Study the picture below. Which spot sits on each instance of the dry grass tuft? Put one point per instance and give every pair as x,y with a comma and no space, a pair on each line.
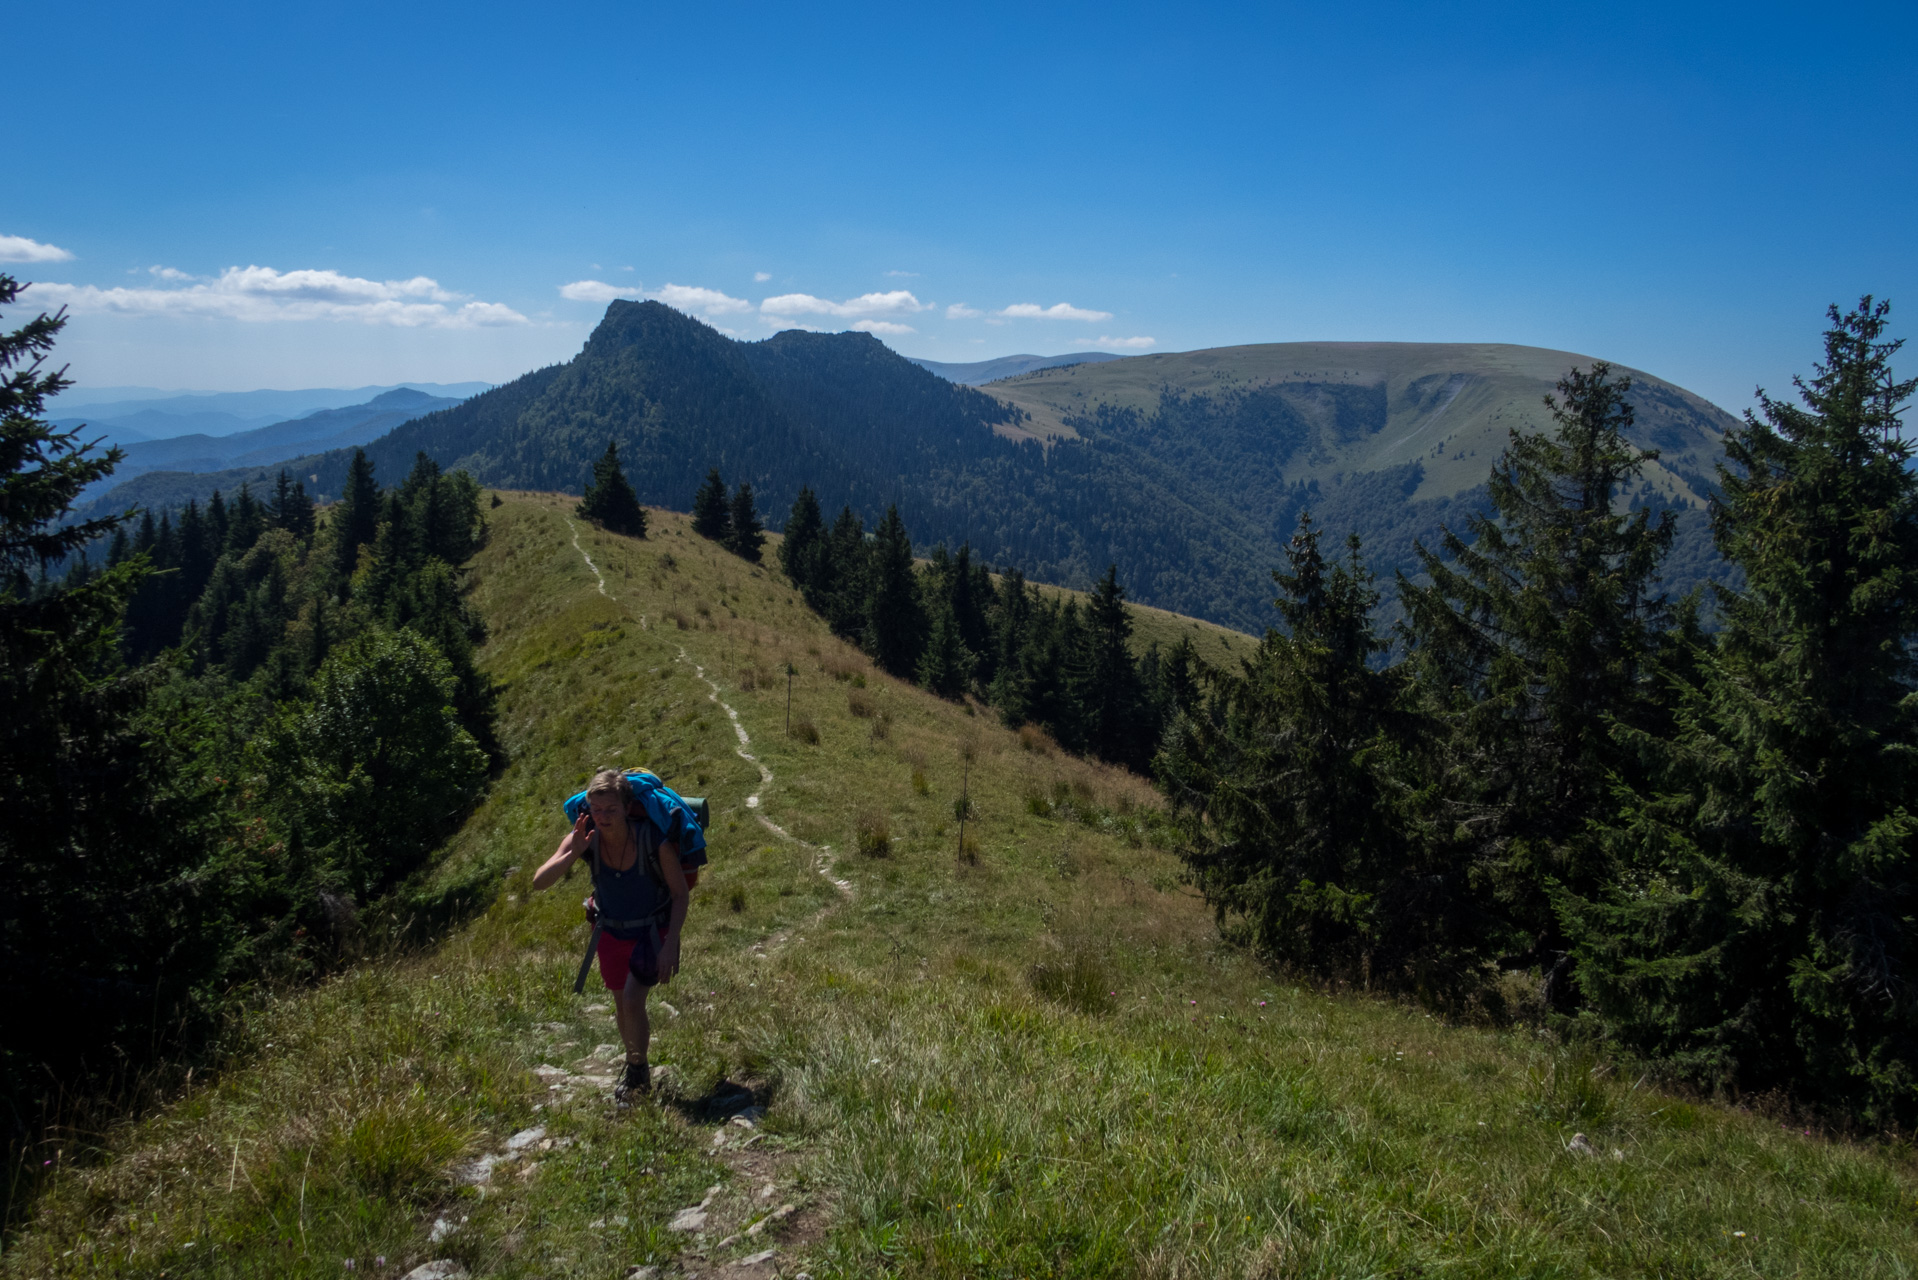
872,835
860,704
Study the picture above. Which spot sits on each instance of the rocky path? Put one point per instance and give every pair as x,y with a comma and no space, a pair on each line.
747,1216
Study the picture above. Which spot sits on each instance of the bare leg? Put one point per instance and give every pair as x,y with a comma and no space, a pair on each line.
630,1008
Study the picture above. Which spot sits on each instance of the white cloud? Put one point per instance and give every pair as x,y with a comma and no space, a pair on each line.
692,298
682,297
1124,344
1058,311
761,277
960,311
903,275
897,302
167,273
883,326
21,249
600,291
261,294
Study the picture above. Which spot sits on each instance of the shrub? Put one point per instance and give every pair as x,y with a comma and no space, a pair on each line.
872,835
919,783
377,761
881,727
860,704
969,850
806,731
1032,738
736,900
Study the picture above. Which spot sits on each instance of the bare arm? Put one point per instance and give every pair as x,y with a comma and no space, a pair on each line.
554,869
675,886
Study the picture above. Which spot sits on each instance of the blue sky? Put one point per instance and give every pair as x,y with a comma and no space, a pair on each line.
283,195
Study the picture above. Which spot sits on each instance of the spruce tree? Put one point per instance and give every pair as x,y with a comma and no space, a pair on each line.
711,516
42,469
895,618
79,841
1532,637
291,509
743,534
1117,725
1010,689
246,522
1762,930
357,518
800,549
840,583
609,501
945,667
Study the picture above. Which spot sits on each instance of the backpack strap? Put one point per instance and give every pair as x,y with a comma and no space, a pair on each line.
649,852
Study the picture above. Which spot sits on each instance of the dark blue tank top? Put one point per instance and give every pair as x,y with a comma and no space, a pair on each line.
635,893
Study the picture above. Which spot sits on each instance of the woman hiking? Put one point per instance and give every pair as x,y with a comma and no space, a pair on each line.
640,891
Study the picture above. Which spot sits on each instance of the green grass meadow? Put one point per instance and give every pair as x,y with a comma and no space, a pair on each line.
1019,1052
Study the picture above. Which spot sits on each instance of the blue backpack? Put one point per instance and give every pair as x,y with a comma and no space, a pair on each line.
681,819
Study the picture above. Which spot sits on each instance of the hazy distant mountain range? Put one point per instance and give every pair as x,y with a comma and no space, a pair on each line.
1188,471
317,432
980,372
125,415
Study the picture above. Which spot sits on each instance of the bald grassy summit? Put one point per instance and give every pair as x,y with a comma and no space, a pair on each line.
1035,1059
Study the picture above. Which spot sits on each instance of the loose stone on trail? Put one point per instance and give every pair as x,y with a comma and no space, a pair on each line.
525,1138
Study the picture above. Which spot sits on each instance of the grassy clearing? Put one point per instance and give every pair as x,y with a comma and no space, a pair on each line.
1033,1060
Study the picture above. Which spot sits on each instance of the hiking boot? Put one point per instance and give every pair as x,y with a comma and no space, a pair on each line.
638,1081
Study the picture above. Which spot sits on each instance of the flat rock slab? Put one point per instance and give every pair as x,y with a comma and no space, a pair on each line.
525,1138
444,1269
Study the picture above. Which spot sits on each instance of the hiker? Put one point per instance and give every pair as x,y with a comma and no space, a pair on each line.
640,893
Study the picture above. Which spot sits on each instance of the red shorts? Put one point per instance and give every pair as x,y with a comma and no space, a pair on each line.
638,956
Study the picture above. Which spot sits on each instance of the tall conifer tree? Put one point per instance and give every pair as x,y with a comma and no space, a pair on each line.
1764,930
895,617
357,519
1118,725
800,549
1531,638
1285,789
711,516
744,536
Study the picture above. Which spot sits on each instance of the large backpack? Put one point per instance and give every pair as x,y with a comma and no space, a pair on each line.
681,819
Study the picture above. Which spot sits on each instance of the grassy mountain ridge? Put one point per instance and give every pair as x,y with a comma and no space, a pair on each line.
1372,406
1190,488
974,373
1039,1062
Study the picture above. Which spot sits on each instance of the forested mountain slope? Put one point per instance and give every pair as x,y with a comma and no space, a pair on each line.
883,1056
1188,471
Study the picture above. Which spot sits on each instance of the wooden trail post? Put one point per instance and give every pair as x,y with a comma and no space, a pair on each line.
789,699
965,807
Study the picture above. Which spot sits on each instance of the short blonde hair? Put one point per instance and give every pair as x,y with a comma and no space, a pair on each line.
611,780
